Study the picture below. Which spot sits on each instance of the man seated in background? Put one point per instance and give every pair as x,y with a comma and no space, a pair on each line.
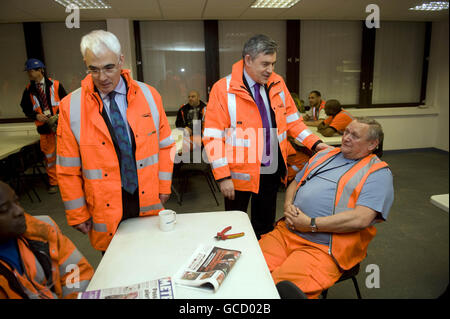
187,116
298,156
316,113
329,211
36,259
337,119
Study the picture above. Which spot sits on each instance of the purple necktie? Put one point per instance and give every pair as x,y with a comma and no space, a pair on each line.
265,121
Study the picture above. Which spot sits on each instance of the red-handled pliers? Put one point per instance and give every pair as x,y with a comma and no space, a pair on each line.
222,236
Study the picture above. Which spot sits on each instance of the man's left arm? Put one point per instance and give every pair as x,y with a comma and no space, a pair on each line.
166,155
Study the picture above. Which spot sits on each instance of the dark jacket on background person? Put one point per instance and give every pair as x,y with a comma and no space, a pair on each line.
27,104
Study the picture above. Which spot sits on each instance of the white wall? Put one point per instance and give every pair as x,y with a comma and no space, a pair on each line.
426,126
123,29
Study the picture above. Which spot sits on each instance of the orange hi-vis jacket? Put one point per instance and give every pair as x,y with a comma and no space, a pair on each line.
233,135
87,165
53,267
348,249
53,103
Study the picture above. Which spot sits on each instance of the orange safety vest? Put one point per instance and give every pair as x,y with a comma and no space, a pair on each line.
339,121
87,165
316,112
44,250
233,135
348,249
53,103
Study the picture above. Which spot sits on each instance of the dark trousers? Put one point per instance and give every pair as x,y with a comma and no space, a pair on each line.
264,204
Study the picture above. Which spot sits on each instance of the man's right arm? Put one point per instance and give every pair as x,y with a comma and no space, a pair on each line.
68,171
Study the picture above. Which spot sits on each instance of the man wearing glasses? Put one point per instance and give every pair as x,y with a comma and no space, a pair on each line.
113,145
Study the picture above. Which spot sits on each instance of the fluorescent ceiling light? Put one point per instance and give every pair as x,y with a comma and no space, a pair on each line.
274,3
431,6
85,4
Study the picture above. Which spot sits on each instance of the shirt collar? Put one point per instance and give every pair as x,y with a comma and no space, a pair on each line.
120,88
249,80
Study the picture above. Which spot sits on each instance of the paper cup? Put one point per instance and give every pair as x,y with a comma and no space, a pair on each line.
167,219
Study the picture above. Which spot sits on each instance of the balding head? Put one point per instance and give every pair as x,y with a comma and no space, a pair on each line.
194,98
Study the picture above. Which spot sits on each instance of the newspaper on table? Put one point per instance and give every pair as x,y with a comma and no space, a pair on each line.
161,288
207,268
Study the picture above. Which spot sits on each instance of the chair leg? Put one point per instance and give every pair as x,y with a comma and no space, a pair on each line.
355,283
324,294
211,187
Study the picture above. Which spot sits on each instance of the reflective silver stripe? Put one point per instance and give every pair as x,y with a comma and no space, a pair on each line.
74,204
241,176
40,274
165,176
46,219
213,132
100,227
292,118
304,134
50,155
50,164
166,142
295,168
231,104
151,207
92,173
232,140
147,161
75,114
52,96
151,103
36,103
219,163
282,136
82,286
68,161
351,185
73,259
283,98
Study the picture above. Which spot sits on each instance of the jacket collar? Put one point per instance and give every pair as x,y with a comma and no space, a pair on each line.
88,85
237,82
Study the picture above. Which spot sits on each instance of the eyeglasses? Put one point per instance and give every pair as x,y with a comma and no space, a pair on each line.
108,69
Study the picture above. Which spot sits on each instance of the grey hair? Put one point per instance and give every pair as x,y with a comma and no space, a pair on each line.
98,41
375,129
257,44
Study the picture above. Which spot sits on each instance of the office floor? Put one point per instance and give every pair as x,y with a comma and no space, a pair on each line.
411,249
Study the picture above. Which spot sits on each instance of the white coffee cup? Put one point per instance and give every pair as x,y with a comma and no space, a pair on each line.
167,219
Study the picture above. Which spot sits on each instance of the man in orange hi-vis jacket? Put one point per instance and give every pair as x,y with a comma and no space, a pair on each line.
249,115
114,146
330,209
36,259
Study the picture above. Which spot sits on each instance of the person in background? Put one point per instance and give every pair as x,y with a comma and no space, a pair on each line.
189,114
40,102
36,259
316,112
114,145
329,212
337,119
251,113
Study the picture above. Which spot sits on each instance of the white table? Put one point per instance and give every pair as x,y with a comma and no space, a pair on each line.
440,201
13,144
332,140
140,252
18,129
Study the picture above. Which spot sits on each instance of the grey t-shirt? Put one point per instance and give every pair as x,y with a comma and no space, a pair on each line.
316,197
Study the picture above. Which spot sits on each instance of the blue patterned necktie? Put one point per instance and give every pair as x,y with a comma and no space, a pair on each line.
265,121
128,172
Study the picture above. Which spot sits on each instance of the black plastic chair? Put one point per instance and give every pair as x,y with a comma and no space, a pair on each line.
190,169
348,274
288,290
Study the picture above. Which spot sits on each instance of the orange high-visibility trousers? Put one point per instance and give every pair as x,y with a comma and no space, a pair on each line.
48,147
290,257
